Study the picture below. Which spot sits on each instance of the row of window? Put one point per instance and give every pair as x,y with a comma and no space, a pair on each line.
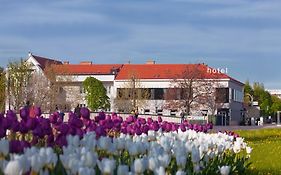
221,94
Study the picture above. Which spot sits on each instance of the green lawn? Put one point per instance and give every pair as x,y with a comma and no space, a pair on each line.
266,154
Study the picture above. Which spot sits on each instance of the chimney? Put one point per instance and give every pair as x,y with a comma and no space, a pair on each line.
150,61
66,62
86,63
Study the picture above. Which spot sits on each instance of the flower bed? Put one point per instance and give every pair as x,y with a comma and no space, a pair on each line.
110,145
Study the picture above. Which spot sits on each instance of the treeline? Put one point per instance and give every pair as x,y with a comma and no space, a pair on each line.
269,104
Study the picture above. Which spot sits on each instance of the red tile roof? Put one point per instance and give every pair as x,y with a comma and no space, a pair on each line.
168,71
144,71
78,69
45,61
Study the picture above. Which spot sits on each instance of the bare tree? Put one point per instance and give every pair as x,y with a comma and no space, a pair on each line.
191,89
19,73
132,95
48,90
217,98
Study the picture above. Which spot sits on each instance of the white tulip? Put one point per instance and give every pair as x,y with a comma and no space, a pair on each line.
91,159
106,166
123,170
104,143
224,170
151,135
138,166
180,172
73,140
236,147
160,171
152,163
36,163
4,147
86,171
195,155
133,149
248,150
181,160
14,167
164,160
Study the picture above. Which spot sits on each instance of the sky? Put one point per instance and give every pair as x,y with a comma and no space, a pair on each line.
243,36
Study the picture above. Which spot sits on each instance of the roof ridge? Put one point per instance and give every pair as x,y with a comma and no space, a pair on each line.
52,59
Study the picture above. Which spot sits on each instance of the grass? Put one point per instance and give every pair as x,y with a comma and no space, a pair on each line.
266,154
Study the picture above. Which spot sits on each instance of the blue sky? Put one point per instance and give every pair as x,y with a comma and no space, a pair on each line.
241,35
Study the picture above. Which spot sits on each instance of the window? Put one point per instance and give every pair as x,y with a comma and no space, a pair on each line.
173,112
146,111
158,94
159,111
222,95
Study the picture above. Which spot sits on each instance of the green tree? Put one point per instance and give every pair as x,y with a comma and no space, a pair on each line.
2,89
95,94
276,104
263,97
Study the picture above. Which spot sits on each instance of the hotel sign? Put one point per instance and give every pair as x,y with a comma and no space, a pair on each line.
194,117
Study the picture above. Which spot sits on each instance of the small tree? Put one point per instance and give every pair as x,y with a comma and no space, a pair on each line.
19,73
132,95
2,89
95,94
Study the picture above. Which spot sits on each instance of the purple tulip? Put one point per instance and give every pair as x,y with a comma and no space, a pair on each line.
101,115
31,123
61,140
37,111
17,146
63,128
109,124
149,121
24,113
155,126
4,123
100,131
85,113
53,118
182,127
75,122
108,117
91,127
79,132
138,131
23,128
15,126
2,132
130,119
145,129
160,119
38,131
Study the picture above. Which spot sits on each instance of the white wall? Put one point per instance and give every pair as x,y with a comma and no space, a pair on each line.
81,78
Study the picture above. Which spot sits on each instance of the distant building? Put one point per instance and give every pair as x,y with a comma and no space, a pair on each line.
276,92
154,77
